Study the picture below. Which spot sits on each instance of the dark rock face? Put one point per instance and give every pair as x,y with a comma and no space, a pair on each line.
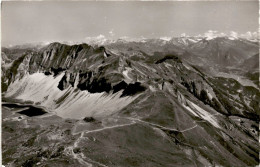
96,86
63,84
120,86
12,72
132,89
87,81
94,80
56,71
168,57
47,73
89,119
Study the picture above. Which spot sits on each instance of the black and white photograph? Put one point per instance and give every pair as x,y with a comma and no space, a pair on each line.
130,83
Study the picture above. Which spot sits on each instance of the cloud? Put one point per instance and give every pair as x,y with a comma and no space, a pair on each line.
111,33
100,36
183,35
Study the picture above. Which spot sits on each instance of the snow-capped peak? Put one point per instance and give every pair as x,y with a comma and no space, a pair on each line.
232,35
211,34
184,35
252,36
166,38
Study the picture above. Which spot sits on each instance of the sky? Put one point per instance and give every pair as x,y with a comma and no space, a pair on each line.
29,22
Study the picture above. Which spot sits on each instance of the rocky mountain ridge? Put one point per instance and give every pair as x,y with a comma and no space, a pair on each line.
151,86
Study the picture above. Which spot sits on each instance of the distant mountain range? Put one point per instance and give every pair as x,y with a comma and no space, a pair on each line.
184,38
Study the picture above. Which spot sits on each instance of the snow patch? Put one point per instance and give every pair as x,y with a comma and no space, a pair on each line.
166,38
168,65
69,103
199,112
125,73
205,115
152,88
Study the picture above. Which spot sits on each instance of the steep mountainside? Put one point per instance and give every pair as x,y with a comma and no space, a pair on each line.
221,52
138,104
251,64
